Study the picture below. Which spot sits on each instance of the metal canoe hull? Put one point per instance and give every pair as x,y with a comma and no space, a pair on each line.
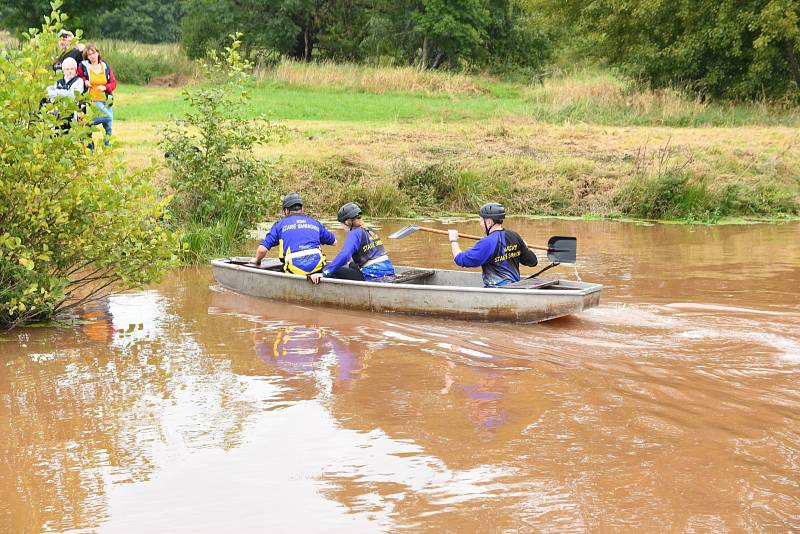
448,293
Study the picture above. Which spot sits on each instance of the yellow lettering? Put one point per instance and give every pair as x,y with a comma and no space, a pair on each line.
505,257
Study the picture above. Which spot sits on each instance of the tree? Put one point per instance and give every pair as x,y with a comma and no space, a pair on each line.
149,21
428,33
74,224
449,30
20,15
291,27
516,39
742,49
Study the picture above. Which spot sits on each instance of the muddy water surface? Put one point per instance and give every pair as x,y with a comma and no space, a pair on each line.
674,406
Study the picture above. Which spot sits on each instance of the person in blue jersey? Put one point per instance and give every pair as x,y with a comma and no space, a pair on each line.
499,253
298,238
362,257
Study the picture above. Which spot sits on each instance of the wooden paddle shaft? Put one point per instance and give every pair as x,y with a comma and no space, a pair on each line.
468,236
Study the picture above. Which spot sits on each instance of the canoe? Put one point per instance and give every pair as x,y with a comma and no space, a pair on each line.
435,292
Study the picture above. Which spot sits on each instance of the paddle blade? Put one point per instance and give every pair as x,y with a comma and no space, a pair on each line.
403,232
562,249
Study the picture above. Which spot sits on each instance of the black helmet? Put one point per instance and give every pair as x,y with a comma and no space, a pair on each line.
291,200
351,210
493,211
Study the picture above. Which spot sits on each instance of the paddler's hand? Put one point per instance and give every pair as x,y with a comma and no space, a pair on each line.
255,262
454,248
314,278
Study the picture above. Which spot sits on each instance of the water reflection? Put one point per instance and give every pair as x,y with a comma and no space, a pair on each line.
301,349
408,414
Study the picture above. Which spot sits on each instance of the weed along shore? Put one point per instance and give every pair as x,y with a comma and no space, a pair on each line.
423,144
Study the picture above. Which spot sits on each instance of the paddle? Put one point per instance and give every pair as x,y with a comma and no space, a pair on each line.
559,249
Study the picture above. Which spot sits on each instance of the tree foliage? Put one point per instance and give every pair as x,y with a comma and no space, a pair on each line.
146,21
73,223
20,15
742,49
427,33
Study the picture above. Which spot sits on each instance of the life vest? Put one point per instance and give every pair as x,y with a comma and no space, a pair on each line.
370,248
61,84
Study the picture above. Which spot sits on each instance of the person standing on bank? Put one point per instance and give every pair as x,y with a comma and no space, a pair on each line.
65,38
363,249
100,80
299,238
498,254
70,86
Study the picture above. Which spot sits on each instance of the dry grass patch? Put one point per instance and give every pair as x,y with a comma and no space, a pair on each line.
371,79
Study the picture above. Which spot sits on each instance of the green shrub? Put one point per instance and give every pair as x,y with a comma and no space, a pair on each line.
380,199
679,195
74,223
216,180
448,187
669,195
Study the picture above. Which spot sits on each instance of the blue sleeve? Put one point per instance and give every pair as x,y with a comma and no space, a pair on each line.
272,237
326,237
477,255
346,254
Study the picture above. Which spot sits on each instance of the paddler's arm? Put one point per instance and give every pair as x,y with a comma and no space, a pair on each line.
270,240
472,257
454,248
326,237
349,248
260,253
527,256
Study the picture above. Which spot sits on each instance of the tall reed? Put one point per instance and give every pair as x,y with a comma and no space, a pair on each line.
139,63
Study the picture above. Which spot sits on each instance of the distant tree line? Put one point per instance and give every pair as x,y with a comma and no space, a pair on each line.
427,33
145,21
739,49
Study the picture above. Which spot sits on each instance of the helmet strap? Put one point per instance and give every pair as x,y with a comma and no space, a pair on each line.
488,229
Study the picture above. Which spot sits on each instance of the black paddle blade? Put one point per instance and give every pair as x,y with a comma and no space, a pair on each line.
403,232
562,249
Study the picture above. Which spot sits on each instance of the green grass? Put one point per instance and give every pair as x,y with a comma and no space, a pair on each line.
280,101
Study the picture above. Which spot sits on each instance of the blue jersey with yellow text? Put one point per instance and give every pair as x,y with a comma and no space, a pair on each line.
498,255
299,237
365,249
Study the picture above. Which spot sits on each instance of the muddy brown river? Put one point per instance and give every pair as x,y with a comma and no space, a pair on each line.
183,407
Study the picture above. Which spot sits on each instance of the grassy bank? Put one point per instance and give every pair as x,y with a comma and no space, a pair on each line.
298,91
408,143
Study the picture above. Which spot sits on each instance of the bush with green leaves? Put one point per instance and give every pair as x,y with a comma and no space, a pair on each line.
736,50
217,182
74,224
